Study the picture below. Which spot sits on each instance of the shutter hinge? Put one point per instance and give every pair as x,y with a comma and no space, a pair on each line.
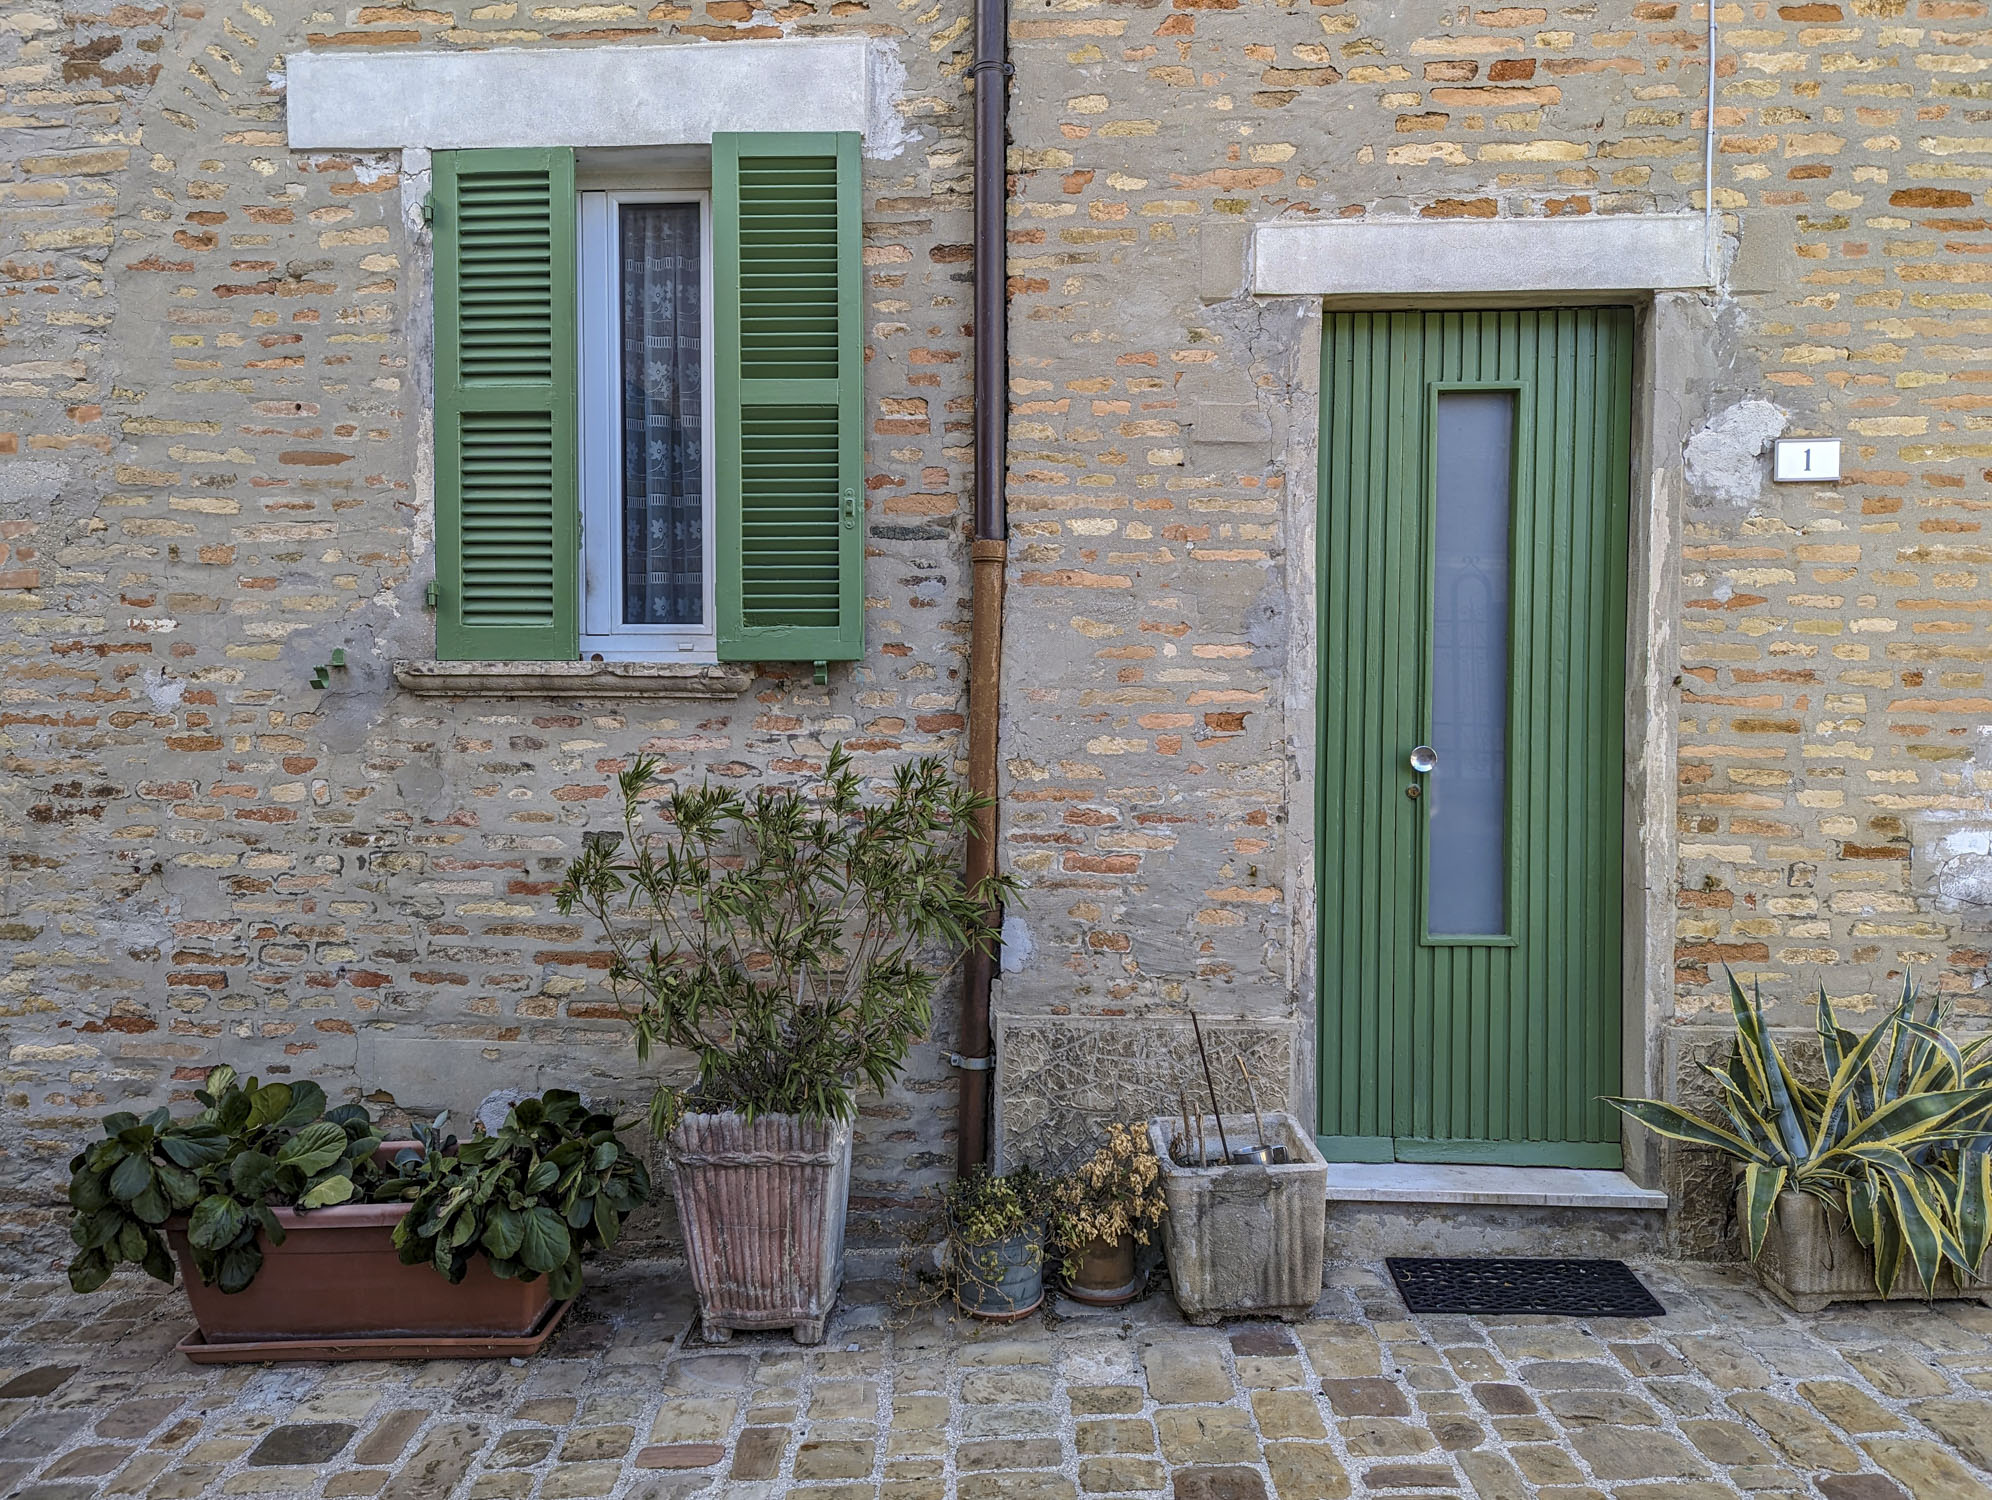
823,674
971,1064
431,596
428,208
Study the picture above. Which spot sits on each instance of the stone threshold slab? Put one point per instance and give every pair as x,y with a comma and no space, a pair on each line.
1527,1187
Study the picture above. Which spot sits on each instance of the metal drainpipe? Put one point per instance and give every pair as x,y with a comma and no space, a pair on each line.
1708,157
989,552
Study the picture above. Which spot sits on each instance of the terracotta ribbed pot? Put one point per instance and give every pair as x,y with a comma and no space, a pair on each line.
1106,1276
763,1209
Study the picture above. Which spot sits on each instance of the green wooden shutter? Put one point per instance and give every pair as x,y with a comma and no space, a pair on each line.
507,521
788,306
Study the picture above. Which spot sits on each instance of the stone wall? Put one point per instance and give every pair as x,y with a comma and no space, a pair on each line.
1832,699
214,469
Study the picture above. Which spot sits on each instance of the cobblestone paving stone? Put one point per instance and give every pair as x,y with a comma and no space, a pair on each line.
1727,1395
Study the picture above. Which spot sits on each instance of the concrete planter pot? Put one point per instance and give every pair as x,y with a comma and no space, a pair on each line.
1245,1241
763,1208
1002,1280
1811,1260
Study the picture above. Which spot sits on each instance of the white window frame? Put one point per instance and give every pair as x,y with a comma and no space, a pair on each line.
602,632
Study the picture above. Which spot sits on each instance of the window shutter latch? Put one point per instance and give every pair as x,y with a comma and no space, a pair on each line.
850,507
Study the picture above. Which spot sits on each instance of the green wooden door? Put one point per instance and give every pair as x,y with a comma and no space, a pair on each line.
1475,478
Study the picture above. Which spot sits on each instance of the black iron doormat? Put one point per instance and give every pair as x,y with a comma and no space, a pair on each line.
1569,1288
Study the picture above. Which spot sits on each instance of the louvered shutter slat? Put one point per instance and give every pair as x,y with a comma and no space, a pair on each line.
790,356
506,460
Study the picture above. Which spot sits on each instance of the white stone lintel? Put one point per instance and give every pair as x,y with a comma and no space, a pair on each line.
678,94
1381,258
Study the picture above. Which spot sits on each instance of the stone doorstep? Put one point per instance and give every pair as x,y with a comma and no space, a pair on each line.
1529,1187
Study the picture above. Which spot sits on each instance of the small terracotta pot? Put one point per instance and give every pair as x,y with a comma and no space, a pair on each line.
1106,1275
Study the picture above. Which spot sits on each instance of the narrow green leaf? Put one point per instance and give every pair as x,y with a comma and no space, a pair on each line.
1761,1186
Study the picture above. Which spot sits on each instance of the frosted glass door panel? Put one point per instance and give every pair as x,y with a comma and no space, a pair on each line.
1467,794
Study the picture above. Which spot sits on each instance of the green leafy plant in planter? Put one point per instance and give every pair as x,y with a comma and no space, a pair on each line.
254,1147
551,1184
1896,1135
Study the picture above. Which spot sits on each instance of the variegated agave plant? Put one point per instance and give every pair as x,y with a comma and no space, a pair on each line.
1899,1138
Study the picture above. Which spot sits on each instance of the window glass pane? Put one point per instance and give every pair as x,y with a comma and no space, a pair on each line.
662,396
1467,794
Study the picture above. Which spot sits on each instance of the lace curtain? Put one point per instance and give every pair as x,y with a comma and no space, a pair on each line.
662,509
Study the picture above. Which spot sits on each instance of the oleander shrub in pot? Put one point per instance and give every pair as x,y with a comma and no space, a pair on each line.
1871,1176
789,939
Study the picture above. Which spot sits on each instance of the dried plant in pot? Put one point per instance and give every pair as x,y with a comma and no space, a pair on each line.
1871,1178
791,940
1107,1206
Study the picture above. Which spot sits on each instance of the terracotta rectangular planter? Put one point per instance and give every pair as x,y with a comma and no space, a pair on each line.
1811,1260
763,1209
1245,1241
338,1275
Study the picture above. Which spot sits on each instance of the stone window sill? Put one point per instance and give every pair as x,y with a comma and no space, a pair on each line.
571,679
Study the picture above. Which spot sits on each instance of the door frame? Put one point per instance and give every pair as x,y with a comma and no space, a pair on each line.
1672,333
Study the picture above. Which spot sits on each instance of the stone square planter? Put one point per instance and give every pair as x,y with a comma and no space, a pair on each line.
1245,1241
1811,1260
763,1208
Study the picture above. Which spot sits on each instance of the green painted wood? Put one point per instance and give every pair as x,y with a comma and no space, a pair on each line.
1370,1148
789,366
1459,1049
507,465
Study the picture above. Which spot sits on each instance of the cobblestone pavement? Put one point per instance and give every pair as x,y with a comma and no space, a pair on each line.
1727,1395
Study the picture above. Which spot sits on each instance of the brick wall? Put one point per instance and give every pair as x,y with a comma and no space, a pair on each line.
1832,703
212,457
211,462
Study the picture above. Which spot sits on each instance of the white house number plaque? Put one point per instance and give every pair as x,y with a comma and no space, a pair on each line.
1806,461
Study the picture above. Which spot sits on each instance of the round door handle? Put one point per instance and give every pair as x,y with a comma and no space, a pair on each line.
1424,760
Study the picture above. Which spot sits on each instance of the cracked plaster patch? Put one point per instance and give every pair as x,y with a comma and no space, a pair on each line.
1724,456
